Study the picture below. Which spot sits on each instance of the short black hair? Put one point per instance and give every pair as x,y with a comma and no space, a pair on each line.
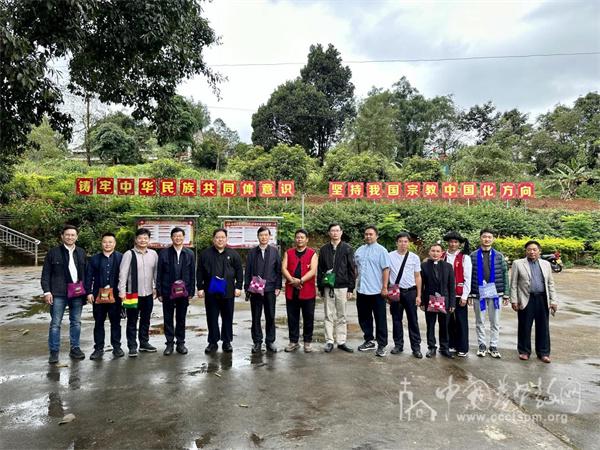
372,227
436,244
141,231
532,241
68,226
261,229
218,230
487,230
334,224
109,234
177,230
402,234
301,230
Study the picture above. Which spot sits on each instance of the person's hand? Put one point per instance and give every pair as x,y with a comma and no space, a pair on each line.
49,299
423,307
515,306
154,293
384,292
470,301
451,309
200,293
553,308
463,301
122,295
418,301
90,299
277,291
348,295
160,299
504,301
237,292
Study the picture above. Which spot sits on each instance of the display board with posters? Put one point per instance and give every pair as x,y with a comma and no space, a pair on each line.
241,233
160,230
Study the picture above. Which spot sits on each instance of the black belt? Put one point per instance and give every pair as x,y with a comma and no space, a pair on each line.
414,288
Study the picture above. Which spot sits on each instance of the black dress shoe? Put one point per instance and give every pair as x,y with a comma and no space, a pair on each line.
430,353
257,348
97,354
76,353
118,352
328,347
53,358
397,349
181,349
227,348
168,350
211,348
447,354
418,355
345,348
271,347
147,347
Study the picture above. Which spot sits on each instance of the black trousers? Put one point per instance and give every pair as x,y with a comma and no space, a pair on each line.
536,310
406,303
113,311
294,307
143,311
371,307
442,319
216,306
257,302
175,307
458,328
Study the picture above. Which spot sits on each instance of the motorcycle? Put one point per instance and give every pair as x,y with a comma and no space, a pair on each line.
554,260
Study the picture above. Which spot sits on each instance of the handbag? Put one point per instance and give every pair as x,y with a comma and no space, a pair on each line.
437,304
105,295
217,285
329,279
75,290
178,289
257,285
131,300
487,290
394,289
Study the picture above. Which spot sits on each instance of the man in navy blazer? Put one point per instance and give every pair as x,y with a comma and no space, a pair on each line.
103,272
176,281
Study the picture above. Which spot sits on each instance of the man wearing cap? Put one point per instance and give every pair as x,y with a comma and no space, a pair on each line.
532,290
458,324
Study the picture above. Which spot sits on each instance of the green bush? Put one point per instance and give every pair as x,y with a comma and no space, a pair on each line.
580,226
513,247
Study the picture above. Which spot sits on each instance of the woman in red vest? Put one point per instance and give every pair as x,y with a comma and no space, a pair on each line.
458,325
299,267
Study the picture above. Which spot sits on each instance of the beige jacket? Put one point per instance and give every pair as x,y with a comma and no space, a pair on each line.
520,281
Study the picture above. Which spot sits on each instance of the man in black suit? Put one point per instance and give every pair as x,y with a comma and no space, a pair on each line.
176,281
62,282
438,288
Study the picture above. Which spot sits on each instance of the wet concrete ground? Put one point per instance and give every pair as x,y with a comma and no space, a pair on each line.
316,400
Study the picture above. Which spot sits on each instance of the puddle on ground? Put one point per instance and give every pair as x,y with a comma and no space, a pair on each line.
37,307
577,311
299,433
55,405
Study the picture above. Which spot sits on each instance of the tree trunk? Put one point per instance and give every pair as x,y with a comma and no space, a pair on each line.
87,131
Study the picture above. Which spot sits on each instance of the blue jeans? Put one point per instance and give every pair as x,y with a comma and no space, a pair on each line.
57,310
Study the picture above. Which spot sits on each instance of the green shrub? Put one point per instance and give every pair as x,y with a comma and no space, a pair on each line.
513,247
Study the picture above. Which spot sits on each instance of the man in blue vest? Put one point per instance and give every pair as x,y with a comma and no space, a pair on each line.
489,291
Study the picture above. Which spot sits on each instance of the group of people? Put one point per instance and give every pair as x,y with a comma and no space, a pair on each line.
444,285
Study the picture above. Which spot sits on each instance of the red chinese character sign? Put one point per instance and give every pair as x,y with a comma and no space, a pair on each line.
449,189
188,187
208,188
286,188
393,190
412,190
337,189
468,190
247,189
266,189
508,191
125,186
356,189
374,190
84,186
487,191
430,190
526,190
105,186
147,186
167,187
228,188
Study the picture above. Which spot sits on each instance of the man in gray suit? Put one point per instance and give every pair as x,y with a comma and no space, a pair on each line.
533,296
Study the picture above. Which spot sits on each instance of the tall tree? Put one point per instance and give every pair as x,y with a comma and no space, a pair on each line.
324,71
482,121
129,52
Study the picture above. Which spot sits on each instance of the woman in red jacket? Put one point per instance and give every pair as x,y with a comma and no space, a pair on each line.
299,267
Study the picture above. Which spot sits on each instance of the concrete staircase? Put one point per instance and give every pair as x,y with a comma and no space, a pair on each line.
21,243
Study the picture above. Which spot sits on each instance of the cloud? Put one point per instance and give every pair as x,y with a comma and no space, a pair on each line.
282,31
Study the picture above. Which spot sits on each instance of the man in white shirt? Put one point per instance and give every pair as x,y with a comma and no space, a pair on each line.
458,325
402,260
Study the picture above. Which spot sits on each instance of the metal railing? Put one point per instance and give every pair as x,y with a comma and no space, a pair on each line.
19,241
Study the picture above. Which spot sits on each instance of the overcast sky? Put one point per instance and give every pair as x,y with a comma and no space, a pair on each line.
254,31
